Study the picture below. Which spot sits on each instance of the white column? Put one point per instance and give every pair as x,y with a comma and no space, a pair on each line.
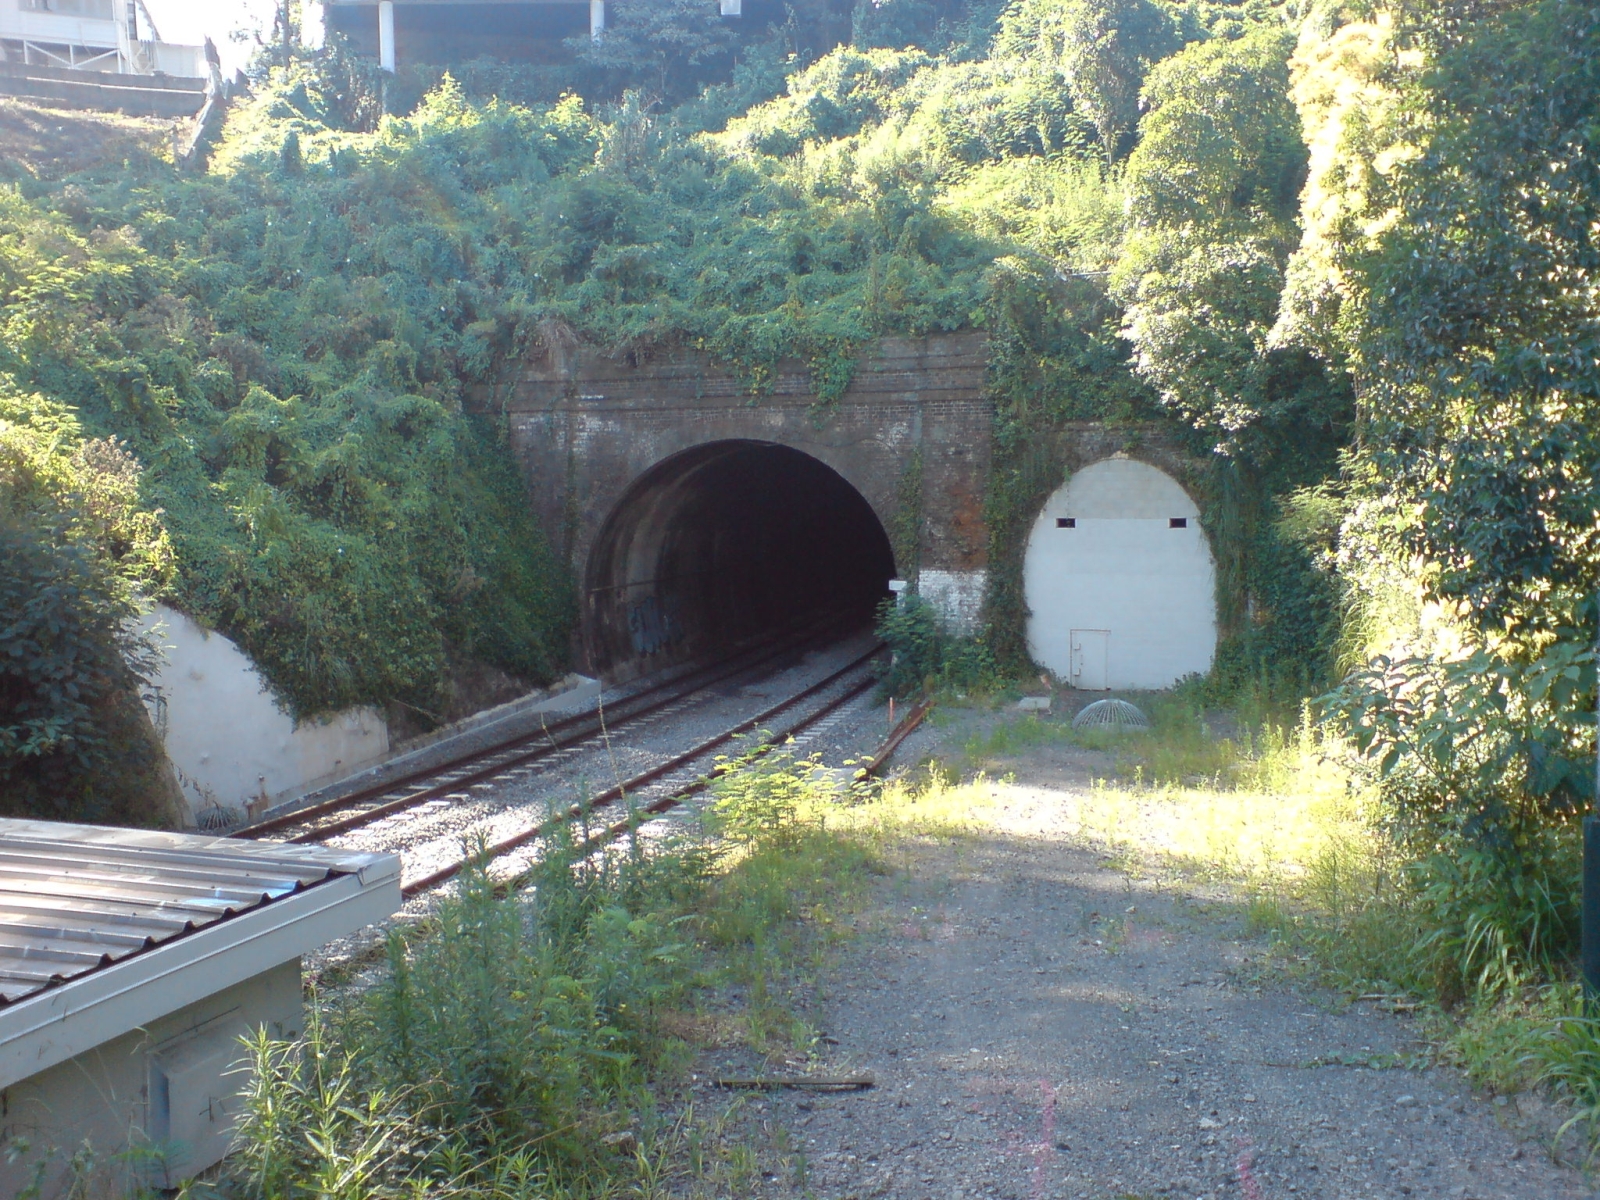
386,35
731,8
597,18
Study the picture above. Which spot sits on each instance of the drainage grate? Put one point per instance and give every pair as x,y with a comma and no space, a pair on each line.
1111,714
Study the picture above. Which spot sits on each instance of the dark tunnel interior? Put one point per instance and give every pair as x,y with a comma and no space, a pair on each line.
723,543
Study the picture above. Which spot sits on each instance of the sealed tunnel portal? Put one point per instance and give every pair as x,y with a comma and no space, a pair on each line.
721,543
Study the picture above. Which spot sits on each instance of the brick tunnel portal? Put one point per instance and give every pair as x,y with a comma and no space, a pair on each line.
723,542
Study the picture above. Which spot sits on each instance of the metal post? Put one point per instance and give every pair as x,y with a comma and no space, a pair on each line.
597,19
386,35
1591,912
1589,950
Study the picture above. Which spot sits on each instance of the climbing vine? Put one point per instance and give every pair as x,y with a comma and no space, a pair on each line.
288,341
905,531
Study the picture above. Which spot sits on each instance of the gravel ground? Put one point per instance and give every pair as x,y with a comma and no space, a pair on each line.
1042,1025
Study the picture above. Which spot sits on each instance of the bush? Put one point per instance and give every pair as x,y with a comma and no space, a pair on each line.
924,656
1484,763
76,551
504,1045
69,717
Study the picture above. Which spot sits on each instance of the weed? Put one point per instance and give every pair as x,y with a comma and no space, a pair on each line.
525,1045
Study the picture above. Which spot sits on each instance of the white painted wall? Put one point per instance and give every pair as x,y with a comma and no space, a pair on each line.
957,596
226,736
1123,569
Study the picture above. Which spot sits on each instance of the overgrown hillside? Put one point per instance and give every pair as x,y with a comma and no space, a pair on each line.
1343,252
1258,226
292,393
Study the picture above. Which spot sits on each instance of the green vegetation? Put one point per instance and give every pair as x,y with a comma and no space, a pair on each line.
328,504
538,1044
76,548
1448,265
1342,253
284,343
924,656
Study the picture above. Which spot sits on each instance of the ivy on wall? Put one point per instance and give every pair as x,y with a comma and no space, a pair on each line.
905,530
283,342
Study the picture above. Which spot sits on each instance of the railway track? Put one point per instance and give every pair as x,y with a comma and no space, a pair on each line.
682,776
495,763
464,794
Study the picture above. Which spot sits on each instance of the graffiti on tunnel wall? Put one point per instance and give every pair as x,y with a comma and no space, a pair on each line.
652,625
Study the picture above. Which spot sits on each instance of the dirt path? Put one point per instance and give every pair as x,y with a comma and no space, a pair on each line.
1041,1025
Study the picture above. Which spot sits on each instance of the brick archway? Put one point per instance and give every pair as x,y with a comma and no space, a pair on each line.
911,435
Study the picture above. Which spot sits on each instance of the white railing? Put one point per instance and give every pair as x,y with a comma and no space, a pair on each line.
53,40
59,30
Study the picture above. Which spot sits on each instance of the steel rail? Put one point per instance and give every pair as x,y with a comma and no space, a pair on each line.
897,735
550,738
531,833
671,801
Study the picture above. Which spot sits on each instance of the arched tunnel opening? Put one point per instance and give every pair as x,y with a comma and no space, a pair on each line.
723,543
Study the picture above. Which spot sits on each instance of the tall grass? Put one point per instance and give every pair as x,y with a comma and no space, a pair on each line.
1272,807
524,1045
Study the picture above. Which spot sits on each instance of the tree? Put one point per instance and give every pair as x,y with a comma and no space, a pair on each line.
669,47
76,552
1106,48
1474,311
1103,47
1211,191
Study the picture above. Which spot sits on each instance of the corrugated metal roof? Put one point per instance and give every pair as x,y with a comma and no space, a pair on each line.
75,898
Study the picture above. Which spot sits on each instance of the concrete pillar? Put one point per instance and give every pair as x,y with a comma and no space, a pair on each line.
732,8
386,35
597,18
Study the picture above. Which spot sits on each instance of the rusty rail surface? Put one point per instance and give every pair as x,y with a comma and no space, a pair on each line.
465,770
665,803
897,735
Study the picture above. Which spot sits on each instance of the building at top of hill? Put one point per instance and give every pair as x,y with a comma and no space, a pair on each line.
109,36
440,32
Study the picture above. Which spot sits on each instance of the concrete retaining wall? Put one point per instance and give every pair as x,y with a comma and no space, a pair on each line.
231,745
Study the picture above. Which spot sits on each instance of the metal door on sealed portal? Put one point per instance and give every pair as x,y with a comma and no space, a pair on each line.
1090,650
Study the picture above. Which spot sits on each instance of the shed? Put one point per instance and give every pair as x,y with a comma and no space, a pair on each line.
131,963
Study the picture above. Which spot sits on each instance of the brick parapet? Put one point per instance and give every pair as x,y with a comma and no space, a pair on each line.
585,426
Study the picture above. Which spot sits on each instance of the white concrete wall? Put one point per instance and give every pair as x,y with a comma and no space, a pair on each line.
230,743
1124,569
957,596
